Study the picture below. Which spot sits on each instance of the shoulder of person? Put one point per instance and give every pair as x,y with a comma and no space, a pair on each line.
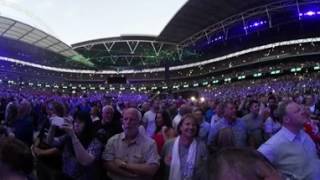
114,138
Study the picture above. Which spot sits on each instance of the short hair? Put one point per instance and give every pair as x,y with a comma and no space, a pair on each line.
281,111
138,113
239,163
15,155
106,107
198,109
183,118
252,102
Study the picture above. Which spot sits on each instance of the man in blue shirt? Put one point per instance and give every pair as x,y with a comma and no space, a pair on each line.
291,150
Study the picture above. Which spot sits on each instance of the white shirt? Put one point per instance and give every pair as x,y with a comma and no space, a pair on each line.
149,118
176,120
294,155
271,126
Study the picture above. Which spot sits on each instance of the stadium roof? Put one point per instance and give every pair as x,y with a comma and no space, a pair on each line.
16,30
196,15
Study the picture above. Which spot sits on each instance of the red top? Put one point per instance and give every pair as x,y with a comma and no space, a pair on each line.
159,139
308,128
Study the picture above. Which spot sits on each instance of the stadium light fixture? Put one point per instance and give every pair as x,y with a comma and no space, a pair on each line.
255,24
309,13
275,72
215,81
196,85
316,67
205,83
192,98
241,77
202,99
186,85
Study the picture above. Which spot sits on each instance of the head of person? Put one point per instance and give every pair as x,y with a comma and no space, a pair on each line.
188,127
82,126
156,106
24,108
309,100
131,121
220,109
198,115
185,109
16,160
254,107
107,114
272,101
11,113
163,119
229,111
241,164
292,115
94,111
145,107
55,108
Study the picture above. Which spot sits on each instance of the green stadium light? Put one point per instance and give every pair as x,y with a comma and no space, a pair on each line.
205,83
227,79
241,77
275,72
215,81
316,67
257,74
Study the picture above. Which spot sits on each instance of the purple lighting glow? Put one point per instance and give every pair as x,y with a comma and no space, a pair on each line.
255,24
309,13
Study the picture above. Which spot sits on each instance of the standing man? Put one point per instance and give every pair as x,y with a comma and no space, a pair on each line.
254,124
131,155
291,150
233,124
149,119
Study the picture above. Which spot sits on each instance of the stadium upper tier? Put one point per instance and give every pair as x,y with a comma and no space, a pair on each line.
200,34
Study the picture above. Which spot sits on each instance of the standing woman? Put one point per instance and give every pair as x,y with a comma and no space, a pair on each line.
185,157
164,130
81,152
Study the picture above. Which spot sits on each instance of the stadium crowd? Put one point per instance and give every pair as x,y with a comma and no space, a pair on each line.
268,130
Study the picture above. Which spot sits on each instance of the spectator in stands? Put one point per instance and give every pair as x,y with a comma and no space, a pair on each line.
48,158
203,125
16,161
254,124
149,119
291,150
131,155
310,102
272,124
185,157
23,126
108,126
230,120
94,114
217,116
164,130
241,164
184,109
81,152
